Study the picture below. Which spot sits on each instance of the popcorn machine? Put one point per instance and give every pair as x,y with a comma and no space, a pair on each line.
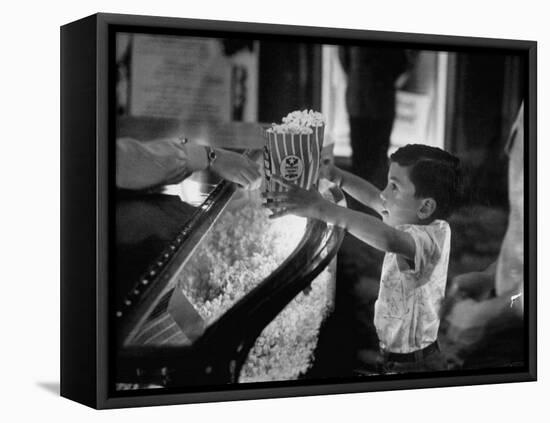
212,291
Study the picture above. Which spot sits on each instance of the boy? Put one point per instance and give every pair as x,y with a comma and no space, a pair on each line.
422,189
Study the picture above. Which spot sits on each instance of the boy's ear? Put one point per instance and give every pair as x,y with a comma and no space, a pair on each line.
427,208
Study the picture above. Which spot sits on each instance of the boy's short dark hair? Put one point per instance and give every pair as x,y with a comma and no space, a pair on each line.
434,173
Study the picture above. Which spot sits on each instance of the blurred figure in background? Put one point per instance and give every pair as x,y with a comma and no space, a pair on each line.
484,312
372,73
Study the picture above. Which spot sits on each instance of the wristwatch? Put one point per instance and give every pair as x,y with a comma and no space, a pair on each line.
211,156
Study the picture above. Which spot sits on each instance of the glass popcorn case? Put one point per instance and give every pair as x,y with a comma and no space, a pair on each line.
209,290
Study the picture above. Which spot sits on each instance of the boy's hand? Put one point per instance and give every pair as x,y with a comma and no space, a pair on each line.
331,172
296,201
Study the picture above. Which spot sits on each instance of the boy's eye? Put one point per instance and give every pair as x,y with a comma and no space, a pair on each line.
393,186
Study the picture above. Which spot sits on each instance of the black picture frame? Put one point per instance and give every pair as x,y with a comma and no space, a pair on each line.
87,221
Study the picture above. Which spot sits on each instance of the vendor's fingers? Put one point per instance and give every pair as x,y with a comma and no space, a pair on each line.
251,175
256,184
239,180
251,169
243,179
253,179
255,167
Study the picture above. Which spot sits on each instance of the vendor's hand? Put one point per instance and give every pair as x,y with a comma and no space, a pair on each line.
237,168
296,201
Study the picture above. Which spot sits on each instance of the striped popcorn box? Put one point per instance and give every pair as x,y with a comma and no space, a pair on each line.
295,157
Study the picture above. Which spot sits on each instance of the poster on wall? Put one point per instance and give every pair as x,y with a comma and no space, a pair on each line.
191,79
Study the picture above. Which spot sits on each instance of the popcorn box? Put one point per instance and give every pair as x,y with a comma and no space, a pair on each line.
294,157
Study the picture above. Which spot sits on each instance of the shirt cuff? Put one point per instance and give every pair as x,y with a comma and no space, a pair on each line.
195,156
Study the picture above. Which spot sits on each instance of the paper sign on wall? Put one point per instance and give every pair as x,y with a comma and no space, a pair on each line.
185,78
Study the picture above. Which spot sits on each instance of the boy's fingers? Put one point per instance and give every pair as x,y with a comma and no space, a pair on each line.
274,205
282,182
275,196
270,206
282,210
282,204
279,213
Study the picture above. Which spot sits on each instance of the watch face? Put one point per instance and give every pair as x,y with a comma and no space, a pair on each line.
211,155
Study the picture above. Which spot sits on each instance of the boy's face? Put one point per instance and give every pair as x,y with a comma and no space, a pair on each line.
398,200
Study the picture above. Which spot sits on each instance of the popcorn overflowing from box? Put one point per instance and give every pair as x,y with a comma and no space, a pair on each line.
293,150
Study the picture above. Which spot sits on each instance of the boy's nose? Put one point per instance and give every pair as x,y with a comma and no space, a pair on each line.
382,196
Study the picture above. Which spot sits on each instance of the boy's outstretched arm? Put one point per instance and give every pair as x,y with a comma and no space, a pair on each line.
370,230
360,189
309,203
